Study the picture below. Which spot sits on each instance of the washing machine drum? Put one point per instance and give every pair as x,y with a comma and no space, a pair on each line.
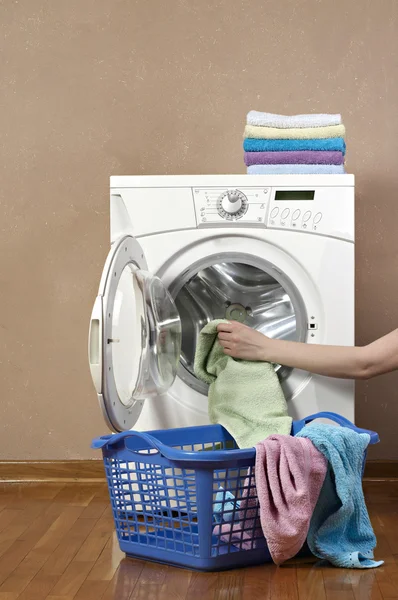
235,289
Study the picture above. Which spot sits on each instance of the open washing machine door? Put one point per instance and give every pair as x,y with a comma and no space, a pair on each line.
135,336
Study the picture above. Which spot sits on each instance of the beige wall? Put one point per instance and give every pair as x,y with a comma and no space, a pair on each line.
91,88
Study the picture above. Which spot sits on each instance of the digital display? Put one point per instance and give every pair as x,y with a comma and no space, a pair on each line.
294,195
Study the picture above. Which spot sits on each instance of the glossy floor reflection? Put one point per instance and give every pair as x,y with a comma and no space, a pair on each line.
57,543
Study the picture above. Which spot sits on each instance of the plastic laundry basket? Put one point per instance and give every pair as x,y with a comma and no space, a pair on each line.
163,487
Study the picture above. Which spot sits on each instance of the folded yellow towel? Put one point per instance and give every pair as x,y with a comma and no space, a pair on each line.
305,133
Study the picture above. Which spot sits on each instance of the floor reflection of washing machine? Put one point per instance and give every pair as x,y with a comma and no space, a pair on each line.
275,252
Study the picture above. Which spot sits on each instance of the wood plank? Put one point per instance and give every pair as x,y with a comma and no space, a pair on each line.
27,540
125,580
95,542
97,505
76,494
230,585
40,586
176,584
150,582
91,590
257,582
18,526
365,585
8,515
68,547
310,582
71,580
31,564
337,583
387,575
52,470
284,584
17,495
203,586
108,561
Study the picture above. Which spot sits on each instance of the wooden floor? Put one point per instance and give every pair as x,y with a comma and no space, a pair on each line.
57,543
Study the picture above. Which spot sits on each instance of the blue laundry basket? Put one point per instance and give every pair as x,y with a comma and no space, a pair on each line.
170,488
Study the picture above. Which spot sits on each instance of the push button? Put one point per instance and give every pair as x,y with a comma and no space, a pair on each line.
285,213
274,212
317,218
307,216
296,214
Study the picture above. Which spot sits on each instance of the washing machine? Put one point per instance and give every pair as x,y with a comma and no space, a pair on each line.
274,252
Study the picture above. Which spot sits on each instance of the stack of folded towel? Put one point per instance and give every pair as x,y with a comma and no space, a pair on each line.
294,144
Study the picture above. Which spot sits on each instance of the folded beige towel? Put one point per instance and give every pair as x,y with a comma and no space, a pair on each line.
303,133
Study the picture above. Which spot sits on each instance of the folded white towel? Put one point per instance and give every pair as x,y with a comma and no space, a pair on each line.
295,169
263,119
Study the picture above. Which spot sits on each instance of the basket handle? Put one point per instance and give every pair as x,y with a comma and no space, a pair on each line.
169,452
113,440
298,425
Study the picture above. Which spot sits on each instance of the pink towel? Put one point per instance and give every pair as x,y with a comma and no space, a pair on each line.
289,478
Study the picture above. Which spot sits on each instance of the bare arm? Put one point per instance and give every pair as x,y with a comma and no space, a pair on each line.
365,362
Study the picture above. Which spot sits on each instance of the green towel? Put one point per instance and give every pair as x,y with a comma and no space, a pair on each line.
245,397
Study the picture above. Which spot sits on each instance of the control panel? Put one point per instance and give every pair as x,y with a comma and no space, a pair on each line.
216,207
322,211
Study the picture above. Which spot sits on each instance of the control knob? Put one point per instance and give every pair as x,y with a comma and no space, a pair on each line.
232,204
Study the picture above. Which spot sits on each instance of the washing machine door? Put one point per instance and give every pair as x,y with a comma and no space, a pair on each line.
134,337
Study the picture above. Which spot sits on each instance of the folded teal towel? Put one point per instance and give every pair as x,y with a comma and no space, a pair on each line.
323,144
296,169
244,397
340,529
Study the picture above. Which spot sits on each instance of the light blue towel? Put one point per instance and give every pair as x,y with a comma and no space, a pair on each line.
325,144
225,506
340,529
295,169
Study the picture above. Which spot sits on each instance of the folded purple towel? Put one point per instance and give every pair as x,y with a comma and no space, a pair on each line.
304,157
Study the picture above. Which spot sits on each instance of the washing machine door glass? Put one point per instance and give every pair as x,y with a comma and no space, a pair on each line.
135,336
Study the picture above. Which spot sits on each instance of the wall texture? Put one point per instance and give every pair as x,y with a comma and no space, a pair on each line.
90,88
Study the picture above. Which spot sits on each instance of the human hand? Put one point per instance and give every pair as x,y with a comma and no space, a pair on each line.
240,341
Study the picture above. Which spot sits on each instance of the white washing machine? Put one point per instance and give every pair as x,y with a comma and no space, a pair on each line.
275,252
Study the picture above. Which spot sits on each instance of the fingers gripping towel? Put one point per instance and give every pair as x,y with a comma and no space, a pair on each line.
244,397
340,529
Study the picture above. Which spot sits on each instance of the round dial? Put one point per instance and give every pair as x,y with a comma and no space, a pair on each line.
232,205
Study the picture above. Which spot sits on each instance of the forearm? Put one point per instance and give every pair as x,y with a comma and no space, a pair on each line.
240,341
331,361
